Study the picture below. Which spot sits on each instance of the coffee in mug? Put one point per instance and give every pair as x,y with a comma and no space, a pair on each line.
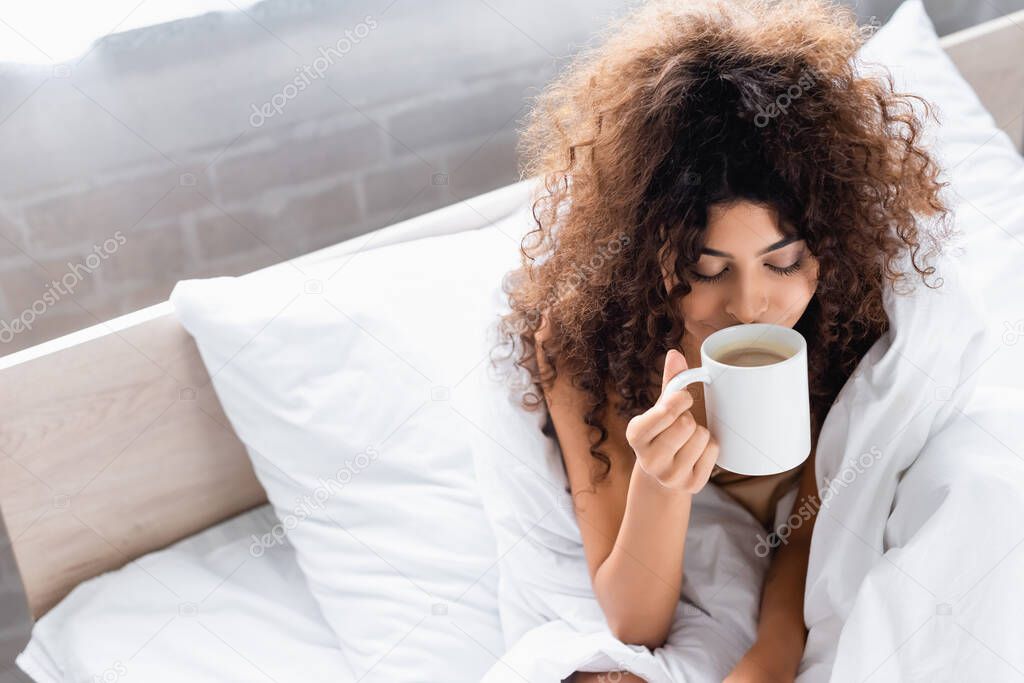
751,356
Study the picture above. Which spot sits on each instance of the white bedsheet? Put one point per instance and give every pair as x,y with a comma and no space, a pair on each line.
204,609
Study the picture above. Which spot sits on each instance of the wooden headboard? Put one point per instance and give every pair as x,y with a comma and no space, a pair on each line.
113,443
990,56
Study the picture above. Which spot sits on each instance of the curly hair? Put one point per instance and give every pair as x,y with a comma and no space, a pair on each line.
683,104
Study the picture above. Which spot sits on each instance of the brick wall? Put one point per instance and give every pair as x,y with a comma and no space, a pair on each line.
193,143
223,143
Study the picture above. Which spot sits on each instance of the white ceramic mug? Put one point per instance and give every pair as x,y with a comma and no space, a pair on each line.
760,415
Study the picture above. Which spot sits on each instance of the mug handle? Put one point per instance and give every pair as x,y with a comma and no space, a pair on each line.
687,377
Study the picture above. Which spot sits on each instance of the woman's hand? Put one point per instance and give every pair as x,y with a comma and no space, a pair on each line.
669,444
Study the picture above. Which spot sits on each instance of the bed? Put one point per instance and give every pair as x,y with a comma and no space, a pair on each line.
117,456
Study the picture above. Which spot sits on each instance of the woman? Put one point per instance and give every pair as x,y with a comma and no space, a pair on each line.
706,164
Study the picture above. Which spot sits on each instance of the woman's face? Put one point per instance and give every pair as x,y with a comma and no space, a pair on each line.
748,272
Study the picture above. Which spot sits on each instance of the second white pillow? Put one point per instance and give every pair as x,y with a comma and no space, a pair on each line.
344,382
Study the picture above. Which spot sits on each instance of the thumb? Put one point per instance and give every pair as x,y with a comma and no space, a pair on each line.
675,363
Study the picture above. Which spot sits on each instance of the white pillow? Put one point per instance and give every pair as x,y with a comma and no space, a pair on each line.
344,381
198,610
985,170
979,157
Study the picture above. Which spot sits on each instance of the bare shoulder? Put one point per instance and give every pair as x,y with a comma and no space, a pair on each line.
568,405
599,505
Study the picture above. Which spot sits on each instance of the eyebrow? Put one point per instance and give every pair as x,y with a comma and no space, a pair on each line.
771,247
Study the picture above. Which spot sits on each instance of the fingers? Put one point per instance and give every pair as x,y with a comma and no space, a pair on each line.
642,429
706,463
676,448
694,463
669,443
676,436
683,456
675,362
688,454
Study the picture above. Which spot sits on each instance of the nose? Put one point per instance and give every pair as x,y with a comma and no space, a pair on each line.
748,305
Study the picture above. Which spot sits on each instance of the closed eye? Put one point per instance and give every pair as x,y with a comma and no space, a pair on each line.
786,271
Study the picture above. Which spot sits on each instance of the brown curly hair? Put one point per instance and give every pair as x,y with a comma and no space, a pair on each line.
683,104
